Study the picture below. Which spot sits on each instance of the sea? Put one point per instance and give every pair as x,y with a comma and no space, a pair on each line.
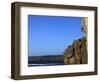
48,64
45,60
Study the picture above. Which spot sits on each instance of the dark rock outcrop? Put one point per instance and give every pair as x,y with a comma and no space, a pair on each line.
77,52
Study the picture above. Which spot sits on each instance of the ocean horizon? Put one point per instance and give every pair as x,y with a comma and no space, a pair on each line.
49,60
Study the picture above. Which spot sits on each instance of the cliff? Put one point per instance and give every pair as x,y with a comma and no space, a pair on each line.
77,52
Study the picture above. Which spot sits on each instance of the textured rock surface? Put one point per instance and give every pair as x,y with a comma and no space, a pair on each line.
77,52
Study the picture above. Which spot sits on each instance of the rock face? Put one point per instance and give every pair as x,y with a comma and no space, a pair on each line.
77,52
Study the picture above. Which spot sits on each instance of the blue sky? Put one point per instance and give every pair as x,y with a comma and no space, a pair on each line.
51,35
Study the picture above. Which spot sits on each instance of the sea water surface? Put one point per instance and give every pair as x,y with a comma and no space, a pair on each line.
45,60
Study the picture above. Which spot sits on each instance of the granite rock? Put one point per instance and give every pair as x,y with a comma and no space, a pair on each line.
77,52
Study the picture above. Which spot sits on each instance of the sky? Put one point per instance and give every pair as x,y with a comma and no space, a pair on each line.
51,35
